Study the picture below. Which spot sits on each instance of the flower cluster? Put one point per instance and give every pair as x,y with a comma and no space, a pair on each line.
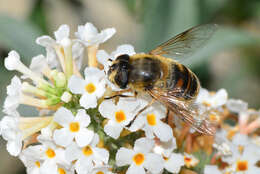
80,130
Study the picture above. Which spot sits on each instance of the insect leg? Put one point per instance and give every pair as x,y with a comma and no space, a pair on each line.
140,111
120,95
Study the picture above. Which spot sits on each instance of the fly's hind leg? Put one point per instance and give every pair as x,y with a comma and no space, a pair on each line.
140,111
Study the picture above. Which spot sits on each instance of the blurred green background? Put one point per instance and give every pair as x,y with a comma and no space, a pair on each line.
231,60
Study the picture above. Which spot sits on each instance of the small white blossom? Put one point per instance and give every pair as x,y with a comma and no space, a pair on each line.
50,155
73,127
38,64
165,148
140,158
9,128
87,155
61,37
119,115
190,160
150,121
237,105
12,100
12,61
243,162
89,35
212,100
174,162
91,89
66,97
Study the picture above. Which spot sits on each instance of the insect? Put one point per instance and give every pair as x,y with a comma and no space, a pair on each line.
165,79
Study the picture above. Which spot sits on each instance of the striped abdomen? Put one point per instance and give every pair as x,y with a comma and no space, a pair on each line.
182,79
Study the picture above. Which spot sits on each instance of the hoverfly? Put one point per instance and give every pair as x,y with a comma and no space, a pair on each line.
163,78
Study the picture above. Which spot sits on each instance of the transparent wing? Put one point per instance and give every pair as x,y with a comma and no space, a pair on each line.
185,111
186,43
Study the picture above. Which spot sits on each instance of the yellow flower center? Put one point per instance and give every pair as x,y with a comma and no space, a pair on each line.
165,158
50,153
90,88
100,172
187,160
74,126
151,119
38,164
61,171
138,159
242,165
87,151
120,116
214,117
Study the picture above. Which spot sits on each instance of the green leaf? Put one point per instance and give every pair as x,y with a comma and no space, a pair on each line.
20,36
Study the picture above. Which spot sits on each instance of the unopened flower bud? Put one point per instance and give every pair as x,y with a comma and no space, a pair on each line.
66,97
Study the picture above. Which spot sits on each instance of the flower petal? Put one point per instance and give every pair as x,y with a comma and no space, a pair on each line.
63,116
84,137
143,145
76,85
107,109
211,169
174,163
72,152
124,156
163,131
45,41
88,101
93,72
63,137
113,129
133,169
101,155
62,32
153,163
82,118
14,147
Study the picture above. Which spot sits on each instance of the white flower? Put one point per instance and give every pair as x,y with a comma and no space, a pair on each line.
12,134
89,35
140,158
66,97
119,115
190,160
212,100
150,121
243,162
38,64
237,105
211,169
50,156
85,156
12,100
92,88
174,162
165,148
61,38
73,127
31,160
12,61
